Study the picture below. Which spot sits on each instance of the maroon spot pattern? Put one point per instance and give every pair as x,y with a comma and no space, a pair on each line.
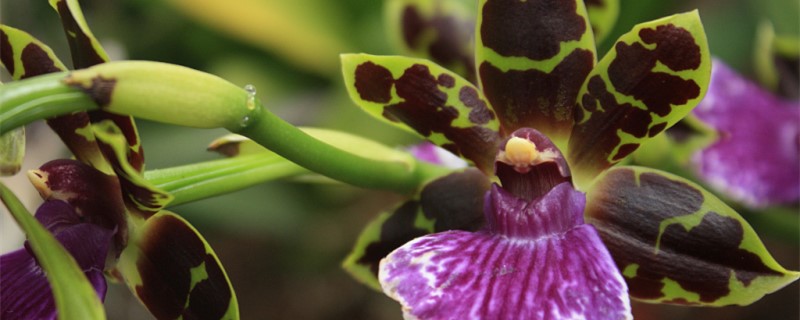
451,45
170,250
533,29
628,217
480,113
35,61
593,141
534,99
373,82
209,297
6,52
630,71
83,53
423,108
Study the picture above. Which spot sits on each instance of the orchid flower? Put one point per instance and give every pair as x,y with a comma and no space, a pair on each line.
101,209
547,124
729,164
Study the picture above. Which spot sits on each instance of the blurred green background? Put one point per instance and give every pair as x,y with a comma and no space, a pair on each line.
282,242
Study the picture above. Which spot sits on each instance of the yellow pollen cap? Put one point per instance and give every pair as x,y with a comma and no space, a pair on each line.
521,152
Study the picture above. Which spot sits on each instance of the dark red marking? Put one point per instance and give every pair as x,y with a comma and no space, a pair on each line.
210,298
630,71
628,218
452,38
675,46
100,90
534,99
170,249
395,232
455,201
6,52
656,129
788,76
533,28
593,141
83,53
424,109
480,113
625,150
446,80
35,61
374,82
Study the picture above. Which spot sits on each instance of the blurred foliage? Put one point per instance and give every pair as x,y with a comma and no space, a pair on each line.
282,242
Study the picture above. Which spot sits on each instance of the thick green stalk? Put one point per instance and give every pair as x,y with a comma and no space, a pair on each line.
207,179
292,143
42,97
178,95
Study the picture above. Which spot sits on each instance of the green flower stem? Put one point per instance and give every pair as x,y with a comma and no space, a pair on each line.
207,179
182,96
277,135
42,97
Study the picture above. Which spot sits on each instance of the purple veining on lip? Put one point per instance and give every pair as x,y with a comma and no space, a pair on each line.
755,159
431,153
535,260
25,291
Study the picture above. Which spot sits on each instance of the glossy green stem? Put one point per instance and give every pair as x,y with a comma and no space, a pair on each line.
292,143
207,179
42,97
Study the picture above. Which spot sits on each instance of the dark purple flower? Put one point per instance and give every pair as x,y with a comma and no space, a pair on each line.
84,210
756,155
25,292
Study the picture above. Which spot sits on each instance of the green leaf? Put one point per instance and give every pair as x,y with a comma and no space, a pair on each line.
436,103
776,59
603,16
653,77
75,297
675,242
532,57
440,31
141,196
174,272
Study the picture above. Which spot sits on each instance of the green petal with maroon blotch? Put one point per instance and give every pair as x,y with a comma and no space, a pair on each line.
532,57
86,52
418,95
675,242
439,30
653,77
453,202
603,16
24,56
142,198
175,273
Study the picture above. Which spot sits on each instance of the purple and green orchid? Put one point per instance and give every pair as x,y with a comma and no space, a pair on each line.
524,249
101,210
543,225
